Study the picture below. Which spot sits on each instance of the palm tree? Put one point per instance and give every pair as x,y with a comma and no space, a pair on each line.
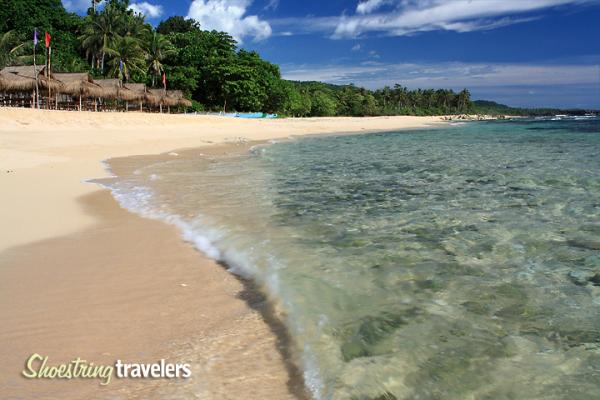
157,48
126,50
10,48
101,33
94,4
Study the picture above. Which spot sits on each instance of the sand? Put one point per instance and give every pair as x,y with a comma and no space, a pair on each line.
80,277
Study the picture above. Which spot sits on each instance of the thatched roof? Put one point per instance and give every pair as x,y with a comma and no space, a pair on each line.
110,87
177,97
22,78
26,71
79,84
155,96
133,91
14,83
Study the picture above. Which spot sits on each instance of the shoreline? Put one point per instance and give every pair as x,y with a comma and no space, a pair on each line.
52,161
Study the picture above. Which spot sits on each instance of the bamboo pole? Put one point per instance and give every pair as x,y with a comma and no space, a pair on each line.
37,90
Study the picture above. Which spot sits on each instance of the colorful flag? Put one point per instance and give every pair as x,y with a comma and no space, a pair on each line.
164,79
48,39
35,38
121,66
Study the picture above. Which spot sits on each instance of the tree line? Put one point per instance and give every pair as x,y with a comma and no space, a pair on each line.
114,42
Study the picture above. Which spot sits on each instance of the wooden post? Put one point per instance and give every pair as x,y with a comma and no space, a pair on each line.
169,109
141,106
160,107
95,104
80,102
126,106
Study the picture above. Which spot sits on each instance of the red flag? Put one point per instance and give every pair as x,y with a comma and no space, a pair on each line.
164,79
48,38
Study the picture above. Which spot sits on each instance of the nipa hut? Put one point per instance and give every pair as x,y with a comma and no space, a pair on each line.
18,85
138,93
77,88
26,86
177,96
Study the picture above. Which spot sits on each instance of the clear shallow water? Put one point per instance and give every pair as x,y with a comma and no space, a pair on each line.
455,263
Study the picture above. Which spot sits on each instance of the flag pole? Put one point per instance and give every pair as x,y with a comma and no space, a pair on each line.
37,90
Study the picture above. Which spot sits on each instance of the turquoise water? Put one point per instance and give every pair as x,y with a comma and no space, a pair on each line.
452,263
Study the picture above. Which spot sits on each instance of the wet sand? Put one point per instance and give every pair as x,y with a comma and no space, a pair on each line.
130,289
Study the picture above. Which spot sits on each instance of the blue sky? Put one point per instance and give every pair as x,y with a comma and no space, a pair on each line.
518,52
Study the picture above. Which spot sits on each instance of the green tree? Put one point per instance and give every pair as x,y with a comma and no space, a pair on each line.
127,53
177,24
322,104
157,48
10,48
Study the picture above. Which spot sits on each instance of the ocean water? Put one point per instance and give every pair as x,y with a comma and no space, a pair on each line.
452,263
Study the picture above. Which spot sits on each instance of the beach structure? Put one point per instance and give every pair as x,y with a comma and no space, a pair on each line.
138,93
77,90
20,88
179,99
27,86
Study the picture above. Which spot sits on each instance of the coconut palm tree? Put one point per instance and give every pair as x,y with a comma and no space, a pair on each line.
10,48
157,48
101,33
95,4
126,57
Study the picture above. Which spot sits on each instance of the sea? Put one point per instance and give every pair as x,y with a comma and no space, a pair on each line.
457,262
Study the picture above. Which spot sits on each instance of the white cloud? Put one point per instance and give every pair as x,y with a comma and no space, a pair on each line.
454,15
368,6
407,17
272,5
356,47
147,9
76,5
229,16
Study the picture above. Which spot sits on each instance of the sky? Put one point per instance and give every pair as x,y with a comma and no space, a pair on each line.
527,53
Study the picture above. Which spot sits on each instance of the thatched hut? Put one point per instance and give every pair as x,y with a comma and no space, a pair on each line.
110,88
78,86
138,91
74,90
156,98
178,98
18,83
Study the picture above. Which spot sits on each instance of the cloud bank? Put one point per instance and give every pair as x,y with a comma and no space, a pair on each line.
229,16
445,75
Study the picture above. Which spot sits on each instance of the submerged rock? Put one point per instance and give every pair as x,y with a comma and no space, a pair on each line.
583,278
595,279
